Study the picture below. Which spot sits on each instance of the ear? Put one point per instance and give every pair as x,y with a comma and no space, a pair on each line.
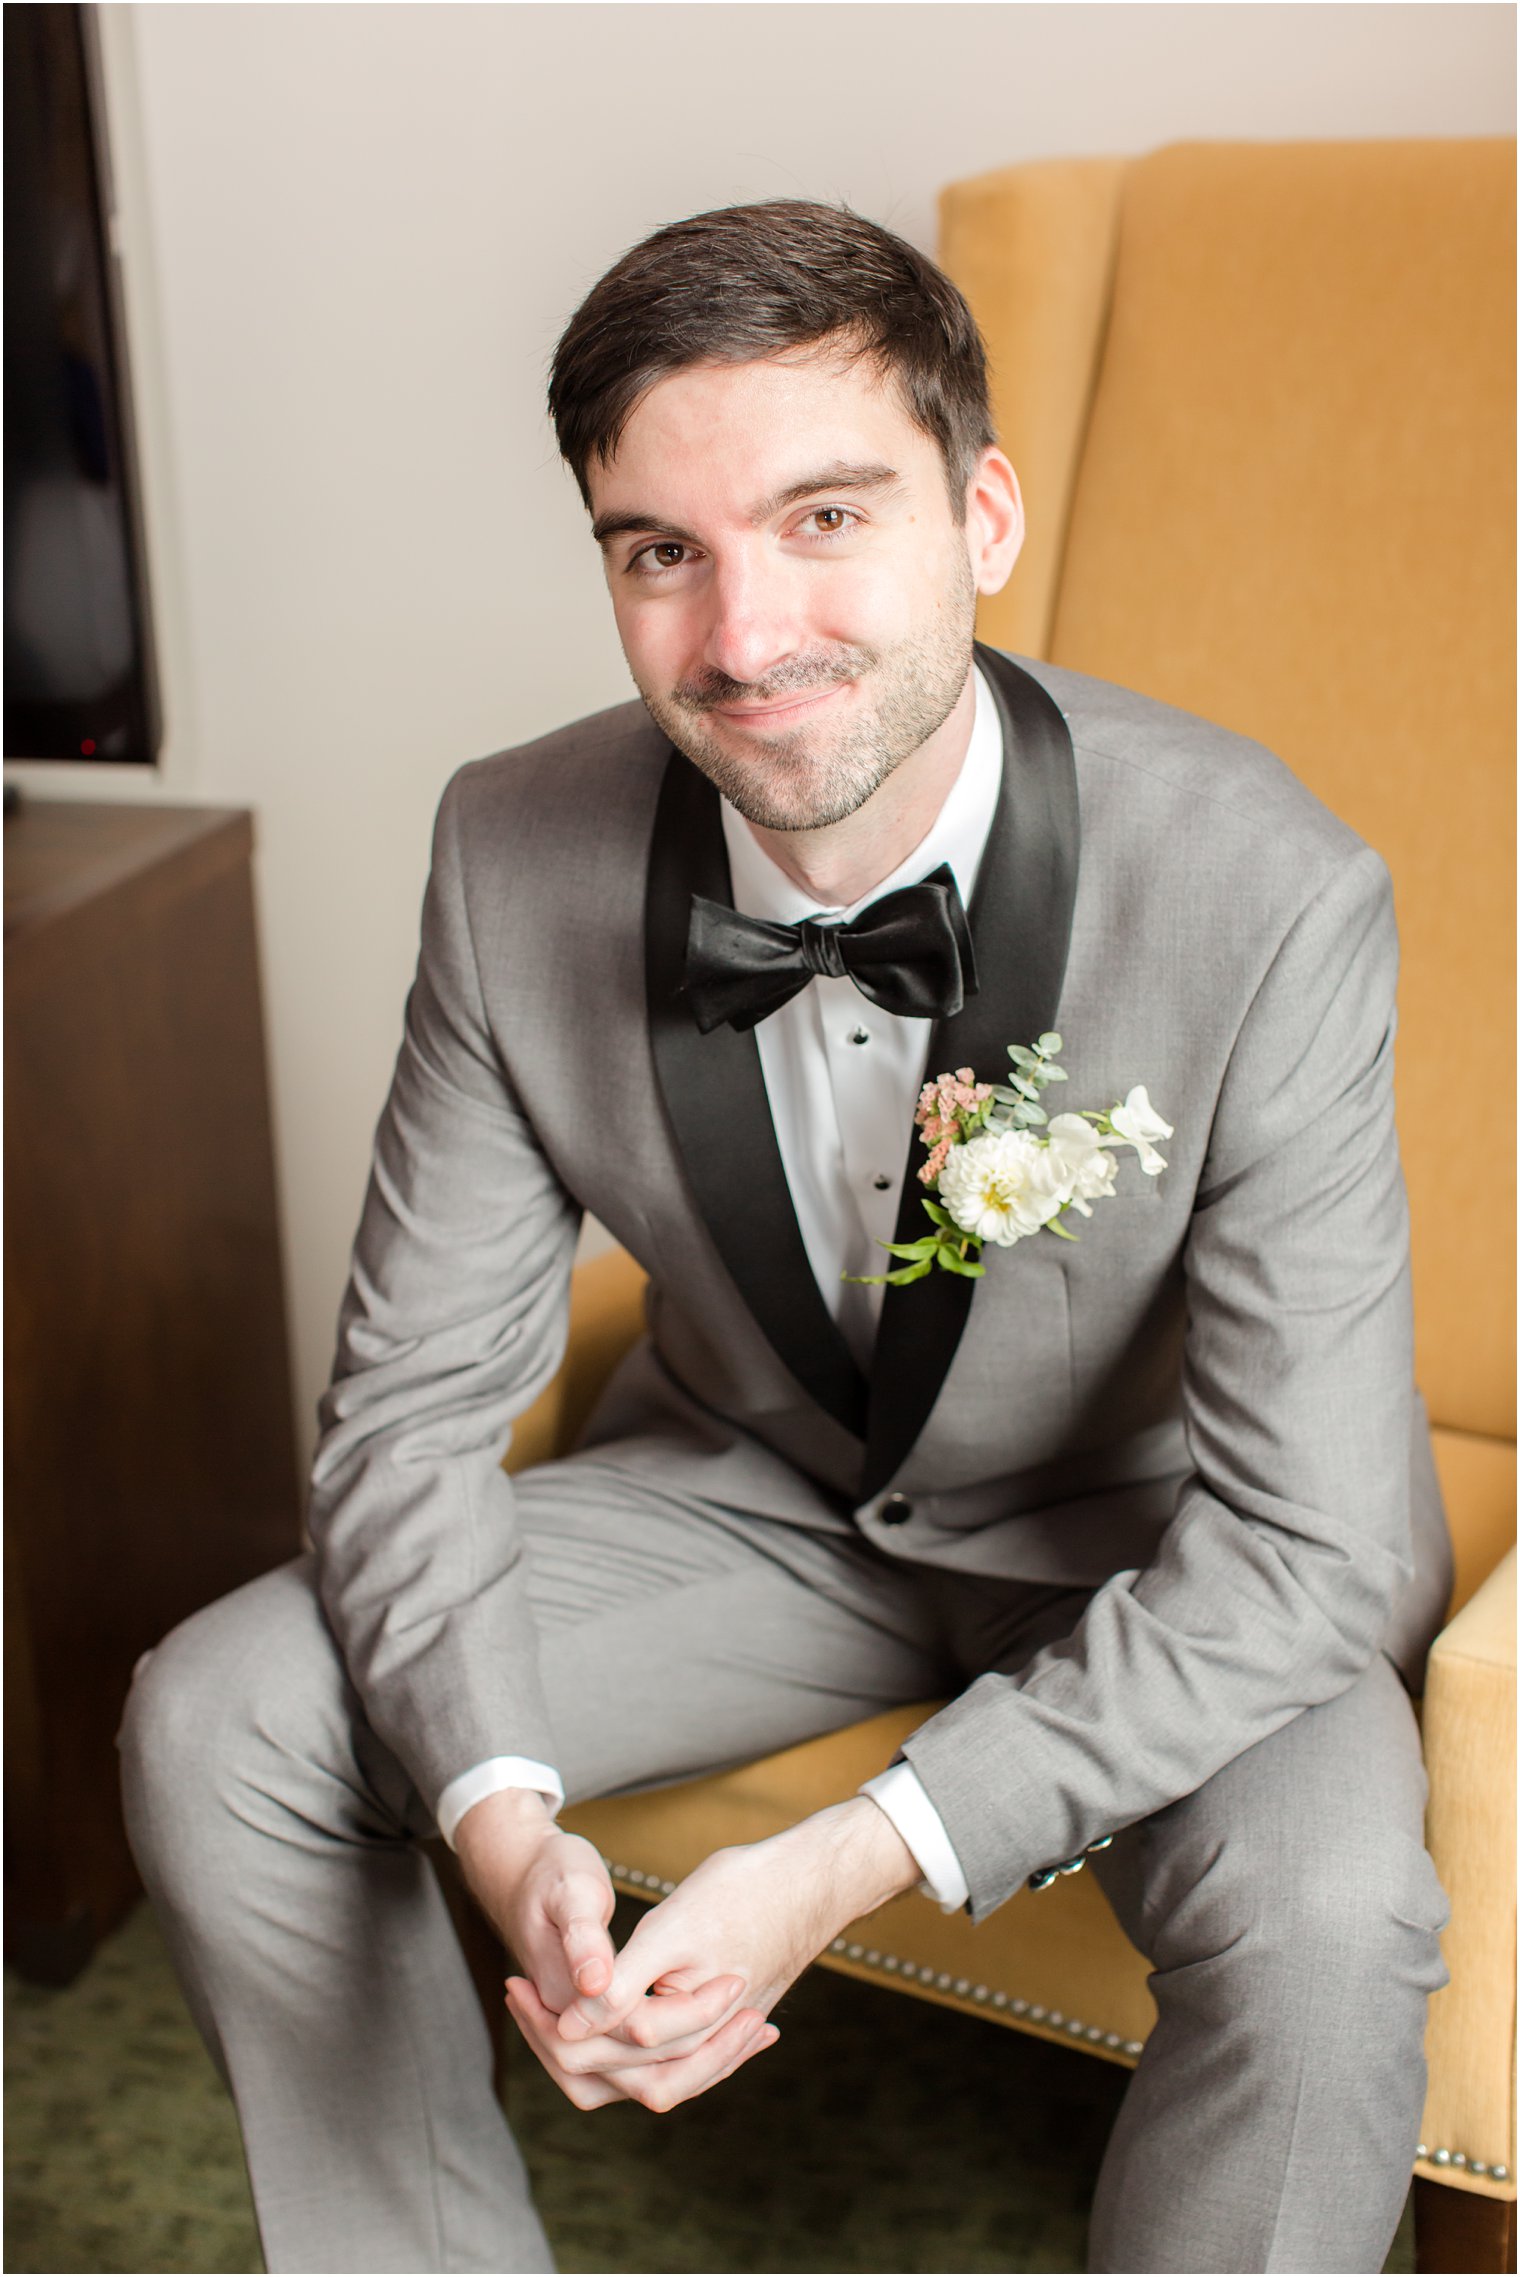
994,521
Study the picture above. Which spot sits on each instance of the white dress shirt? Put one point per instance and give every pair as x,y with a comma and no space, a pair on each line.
842,1078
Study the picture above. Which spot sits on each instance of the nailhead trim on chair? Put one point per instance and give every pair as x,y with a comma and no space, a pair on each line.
1462,2163
889,1965
639,1881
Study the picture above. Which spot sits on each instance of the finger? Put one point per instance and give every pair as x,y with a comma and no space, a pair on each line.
602,2011
527,2003
536,2019
643,1961
606,2053
664,2018
610,2052
658,2083
660,2087
679,1980
661,2084
588,2091
634,1978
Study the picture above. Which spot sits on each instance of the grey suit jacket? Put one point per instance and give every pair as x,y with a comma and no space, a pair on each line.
1205,1406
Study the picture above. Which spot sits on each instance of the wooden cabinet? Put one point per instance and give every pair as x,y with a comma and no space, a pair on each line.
149,1443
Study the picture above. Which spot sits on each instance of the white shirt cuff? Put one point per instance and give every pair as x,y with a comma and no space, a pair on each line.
494,1777
900,1793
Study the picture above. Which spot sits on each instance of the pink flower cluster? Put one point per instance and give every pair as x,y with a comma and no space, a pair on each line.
944,1107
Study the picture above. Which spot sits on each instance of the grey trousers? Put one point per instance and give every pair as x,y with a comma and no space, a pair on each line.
1288,1906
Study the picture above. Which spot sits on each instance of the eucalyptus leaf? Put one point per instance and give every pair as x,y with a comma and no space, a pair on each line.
1050,1043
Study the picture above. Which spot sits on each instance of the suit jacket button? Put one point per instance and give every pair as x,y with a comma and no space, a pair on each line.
896,1510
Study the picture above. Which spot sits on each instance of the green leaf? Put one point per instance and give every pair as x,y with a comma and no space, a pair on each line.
962,1265
940,1216
1050,1043
1054,1074
1054,1225
1022,1056
907,1273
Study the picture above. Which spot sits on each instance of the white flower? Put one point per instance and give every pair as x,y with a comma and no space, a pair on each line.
1137,1121
1002,1186
1083,1162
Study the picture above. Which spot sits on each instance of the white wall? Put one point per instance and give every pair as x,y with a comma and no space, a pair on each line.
352,234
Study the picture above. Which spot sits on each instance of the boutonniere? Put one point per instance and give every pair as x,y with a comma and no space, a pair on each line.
1002,1169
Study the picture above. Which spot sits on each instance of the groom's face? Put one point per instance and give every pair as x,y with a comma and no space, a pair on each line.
793,591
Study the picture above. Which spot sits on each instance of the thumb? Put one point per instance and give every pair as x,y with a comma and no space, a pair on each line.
579,1912
604,1999
589,1955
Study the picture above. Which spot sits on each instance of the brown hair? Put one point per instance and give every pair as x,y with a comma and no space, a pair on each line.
746,282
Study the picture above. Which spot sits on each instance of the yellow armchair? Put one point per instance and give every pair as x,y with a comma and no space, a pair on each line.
1261,398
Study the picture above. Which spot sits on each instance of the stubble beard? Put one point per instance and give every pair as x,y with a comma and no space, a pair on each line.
806,778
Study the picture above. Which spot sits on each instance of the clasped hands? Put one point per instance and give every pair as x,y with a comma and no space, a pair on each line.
687,2000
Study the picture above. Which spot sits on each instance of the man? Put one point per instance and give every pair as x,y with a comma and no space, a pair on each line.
1153,1507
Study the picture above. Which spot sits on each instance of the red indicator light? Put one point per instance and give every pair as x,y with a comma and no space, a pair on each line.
87,748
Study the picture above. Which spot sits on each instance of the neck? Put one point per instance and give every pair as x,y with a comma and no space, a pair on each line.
840,863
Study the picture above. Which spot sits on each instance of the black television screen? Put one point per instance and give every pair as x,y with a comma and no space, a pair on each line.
79,675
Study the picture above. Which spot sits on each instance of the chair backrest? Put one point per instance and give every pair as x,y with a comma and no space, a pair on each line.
1262,400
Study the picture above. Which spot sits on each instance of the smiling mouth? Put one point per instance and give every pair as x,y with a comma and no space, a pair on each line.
783,714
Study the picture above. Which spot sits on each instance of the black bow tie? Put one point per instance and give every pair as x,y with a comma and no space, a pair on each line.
910,953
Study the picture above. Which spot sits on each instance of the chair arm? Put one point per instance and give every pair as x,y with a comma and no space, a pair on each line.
1469,1728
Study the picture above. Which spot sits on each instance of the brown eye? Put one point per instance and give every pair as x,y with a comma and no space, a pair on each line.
665,553
829,521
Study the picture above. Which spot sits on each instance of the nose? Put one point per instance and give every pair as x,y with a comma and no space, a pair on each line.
753,622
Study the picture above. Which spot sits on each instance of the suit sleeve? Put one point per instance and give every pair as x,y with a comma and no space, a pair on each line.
1273,1587
453,1320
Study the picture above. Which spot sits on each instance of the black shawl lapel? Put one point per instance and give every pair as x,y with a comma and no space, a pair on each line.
1021,926
715,1096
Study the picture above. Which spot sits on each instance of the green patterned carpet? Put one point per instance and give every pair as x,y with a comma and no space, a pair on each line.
880,2135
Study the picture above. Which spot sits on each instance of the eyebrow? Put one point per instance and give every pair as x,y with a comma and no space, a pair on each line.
841,474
